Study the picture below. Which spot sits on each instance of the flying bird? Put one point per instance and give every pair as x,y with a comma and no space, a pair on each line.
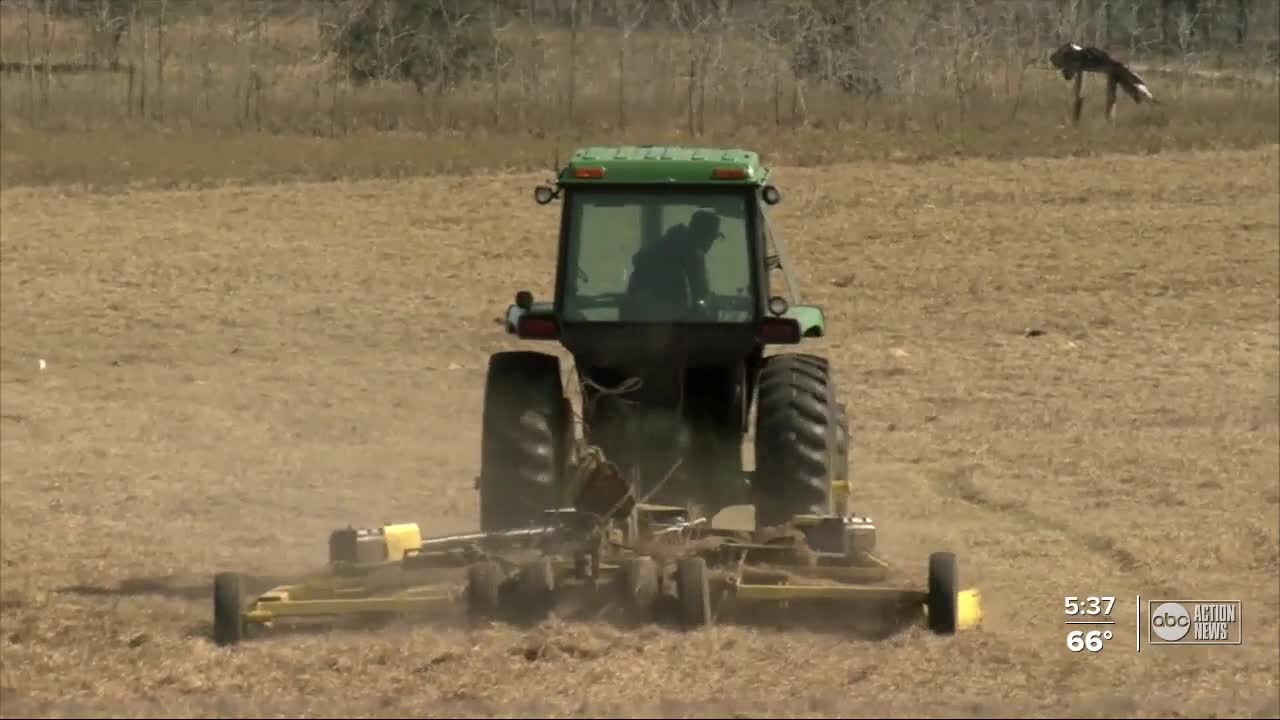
1073,60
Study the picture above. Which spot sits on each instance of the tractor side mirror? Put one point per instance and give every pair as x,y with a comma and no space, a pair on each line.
771,194
524,300
544,194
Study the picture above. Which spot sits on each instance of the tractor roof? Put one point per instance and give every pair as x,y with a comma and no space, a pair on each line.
663,164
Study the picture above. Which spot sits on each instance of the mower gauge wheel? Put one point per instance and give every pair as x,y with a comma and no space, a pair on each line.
537,587
639,588
944,592
694,592
484,583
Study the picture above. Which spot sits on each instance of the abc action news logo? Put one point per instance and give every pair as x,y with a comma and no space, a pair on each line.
1194,622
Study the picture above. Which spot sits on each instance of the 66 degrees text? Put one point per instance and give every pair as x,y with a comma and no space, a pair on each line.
1088,611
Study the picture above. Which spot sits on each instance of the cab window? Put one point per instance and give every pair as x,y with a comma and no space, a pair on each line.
616,234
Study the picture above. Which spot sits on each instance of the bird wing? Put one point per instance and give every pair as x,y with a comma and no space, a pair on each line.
1131,81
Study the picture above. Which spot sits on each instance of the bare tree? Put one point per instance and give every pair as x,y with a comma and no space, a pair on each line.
970,35
777,25
110,22
160,58
47,75
693,18
532,67
498,62
31,66
139,13
629,14
1242,22
573,62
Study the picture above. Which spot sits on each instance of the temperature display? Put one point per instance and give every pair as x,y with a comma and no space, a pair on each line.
1093,611
1090,640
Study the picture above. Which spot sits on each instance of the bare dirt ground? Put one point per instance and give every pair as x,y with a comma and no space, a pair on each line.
233,373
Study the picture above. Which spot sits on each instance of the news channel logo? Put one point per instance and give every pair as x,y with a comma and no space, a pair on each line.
1194,622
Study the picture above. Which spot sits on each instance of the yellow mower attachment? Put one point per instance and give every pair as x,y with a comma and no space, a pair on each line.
968,609
968,603
233,614
946,607
654,552
389,543
281,603
368,576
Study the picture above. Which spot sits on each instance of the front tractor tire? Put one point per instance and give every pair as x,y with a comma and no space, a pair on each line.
525,439
800,438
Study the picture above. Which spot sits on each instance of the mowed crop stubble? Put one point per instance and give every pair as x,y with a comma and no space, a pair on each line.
1064,370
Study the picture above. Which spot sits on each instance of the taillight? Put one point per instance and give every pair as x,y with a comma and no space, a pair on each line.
588,173
779,331
729,173
537,327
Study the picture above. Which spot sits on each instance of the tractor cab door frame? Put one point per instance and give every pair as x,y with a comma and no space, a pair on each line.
775,258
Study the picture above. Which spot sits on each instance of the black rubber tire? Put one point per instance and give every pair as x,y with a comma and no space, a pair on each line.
484,588
537,588
796,438
843,442
639,589
841,470
228,608
693,592
525,440
944,589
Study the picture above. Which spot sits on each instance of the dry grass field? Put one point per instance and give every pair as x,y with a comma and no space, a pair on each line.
233,372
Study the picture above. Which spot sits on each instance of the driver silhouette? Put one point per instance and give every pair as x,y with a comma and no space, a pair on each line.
673,270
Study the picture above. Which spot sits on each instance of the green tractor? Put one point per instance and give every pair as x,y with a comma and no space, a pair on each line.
666,299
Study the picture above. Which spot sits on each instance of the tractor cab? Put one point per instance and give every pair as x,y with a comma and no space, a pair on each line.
664,250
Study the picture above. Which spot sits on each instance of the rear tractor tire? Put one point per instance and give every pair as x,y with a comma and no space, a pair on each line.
526,436
693,590
800,438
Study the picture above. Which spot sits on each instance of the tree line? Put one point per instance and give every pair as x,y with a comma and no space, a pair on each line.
541,64
442,42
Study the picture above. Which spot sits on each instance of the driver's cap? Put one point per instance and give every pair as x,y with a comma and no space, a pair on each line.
705,222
